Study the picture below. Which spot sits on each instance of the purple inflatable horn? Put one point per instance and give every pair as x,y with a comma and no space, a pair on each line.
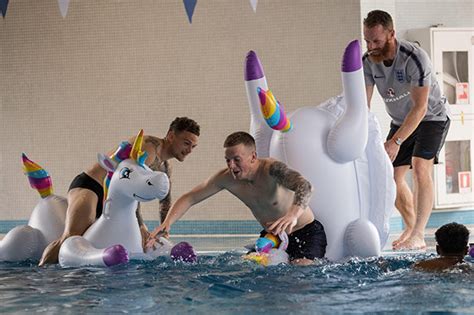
183,251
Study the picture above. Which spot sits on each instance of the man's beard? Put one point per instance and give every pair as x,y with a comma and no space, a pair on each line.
380,55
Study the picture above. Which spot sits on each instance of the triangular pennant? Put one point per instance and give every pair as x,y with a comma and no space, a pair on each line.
254,3
63,7
3,7
189,5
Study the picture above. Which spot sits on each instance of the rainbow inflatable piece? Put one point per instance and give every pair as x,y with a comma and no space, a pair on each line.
37,176
273,112
338,147
270,250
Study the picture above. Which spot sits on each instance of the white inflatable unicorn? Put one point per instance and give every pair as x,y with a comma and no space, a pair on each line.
116,232
338,147
114,238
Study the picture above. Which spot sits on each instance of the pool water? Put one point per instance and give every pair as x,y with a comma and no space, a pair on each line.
225,284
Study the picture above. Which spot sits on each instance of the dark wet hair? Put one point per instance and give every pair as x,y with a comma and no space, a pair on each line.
180,124
452,238
379,17
239,137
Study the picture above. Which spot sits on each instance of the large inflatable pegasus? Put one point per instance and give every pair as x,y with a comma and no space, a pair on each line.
115,237
338,147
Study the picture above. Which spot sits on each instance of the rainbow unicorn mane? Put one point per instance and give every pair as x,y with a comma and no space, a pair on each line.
37,176
125,151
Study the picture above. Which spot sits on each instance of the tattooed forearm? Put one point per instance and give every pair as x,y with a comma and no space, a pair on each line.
293,181
165,206
139,215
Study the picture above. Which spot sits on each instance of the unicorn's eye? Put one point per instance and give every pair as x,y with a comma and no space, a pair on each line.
125,172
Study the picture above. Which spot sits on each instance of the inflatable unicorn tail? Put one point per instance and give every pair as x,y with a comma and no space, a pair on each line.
347,140
38,177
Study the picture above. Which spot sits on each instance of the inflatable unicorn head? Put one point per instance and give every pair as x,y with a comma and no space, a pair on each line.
132,180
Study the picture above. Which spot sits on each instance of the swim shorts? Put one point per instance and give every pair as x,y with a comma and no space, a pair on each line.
425,142
308,242
85,181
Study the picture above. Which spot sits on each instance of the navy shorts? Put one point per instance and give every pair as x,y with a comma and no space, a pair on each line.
425,142
308,242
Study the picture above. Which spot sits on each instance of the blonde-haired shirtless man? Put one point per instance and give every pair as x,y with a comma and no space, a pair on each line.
277,196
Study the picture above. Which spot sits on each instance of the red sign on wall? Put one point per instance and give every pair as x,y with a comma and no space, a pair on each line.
464,180
462,93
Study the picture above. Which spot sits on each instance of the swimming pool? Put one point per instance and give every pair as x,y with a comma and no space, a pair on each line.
225,284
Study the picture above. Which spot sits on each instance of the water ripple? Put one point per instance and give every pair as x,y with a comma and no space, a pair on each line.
227,284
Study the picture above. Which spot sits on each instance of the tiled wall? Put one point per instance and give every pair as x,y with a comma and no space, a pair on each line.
77,86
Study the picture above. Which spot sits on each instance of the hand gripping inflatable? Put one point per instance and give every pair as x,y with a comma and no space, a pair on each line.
270,250
338,147
115,236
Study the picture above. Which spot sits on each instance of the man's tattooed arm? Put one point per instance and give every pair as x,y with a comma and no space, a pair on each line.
293,181
165,204
139,215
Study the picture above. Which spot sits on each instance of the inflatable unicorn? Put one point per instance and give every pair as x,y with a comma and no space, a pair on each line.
270,250
338,147
114,238
116,232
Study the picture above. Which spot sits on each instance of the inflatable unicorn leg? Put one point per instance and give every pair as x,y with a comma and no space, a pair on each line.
46,222
76,251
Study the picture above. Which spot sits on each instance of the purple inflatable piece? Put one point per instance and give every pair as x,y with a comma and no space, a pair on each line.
183,251
114,255
352,59
253,67
471,250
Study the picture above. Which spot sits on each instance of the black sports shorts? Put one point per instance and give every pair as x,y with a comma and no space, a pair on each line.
425,142
308,242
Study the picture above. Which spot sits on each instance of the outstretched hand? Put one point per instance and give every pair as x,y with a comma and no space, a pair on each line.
153,238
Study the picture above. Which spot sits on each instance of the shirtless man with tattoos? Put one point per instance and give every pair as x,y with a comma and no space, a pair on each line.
277,196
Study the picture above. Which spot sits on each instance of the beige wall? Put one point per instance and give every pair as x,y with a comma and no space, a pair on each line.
77,86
